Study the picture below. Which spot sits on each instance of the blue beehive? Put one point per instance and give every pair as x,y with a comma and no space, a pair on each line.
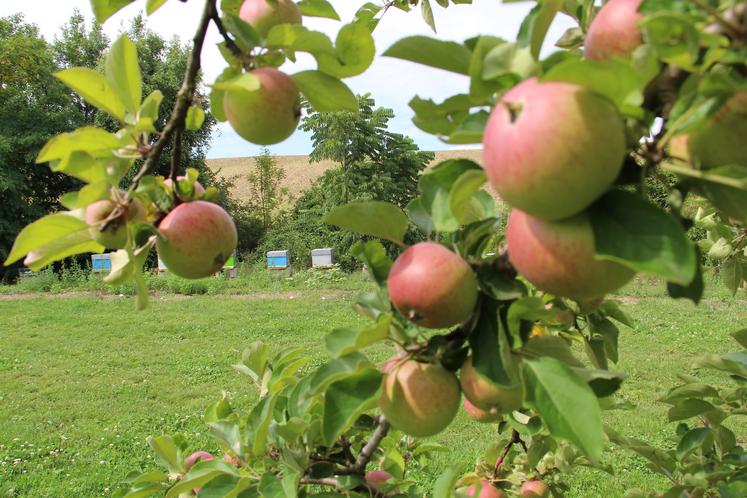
278,260
101,263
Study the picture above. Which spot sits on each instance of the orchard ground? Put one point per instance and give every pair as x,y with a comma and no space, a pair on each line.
84,380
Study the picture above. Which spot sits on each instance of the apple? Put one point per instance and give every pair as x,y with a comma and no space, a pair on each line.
614,32
487,395
115,235
198,189
721,141
432,286
268,115
197,456
262,15
482,416
534,489
559,257
377,477
197,238
487,490
552,148
420,399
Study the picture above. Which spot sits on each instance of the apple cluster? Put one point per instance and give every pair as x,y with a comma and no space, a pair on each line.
270,114
195,238
551,149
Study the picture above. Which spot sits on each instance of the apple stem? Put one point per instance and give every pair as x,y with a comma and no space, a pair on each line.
515,439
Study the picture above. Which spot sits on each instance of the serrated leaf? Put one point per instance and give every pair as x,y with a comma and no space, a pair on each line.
374,218
566,403
195,118
449,56
637,234
325,93
123,73
94,88
346,399
318,8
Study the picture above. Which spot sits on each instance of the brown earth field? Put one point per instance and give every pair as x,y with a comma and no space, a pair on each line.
300,173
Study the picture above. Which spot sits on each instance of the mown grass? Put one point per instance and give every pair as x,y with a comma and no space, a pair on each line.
84,380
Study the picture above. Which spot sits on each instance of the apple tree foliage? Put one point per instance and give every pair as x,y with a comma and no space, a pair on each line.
546,361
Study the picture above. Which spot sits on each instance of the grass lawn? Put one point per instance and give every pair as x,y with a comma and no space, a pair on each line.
84,380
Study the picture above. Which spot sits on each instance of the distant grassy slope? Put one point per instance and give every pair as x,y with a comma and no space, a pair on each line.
300,173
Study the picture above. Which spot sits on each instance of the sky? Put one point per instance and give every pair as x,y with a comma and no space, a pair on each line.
391,82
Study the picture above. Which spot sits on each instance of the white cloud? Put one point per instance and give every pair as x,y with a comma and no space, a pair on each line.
391,82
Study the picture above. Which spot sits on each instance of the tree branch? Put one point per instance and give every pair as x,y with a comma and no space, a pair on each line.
515,439
178,117
734,29
368,450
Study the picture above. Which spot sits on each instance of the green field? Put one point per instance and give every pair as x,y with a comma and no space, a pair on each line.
84,380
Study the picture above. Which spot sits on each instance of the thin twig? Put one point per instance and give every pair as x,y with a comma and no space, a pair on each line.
515,439
176,155
183,98
324,481
230,43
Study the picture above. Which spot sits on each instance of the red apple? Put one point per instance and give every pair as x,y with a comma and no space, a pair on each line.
558,257
268,115
197,456
115,235
432,286
263,15
551,149
197,238
614,32
534,489
377,477
420,399
487,490
479,415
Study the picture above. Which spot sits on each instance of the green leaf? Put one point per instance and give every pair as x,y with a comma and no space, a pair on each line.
491,353
325,93
245,82
699,438
460,196
534,28
123,73
342,341
167,451
418,214
336,370
375,218
354,52
741,337
637,234
201,474
346,399
612,309
566,403
195,118
217,95
688,408
95,89
153,5
615,79
427,13
94,141
444,487
692,390
244,33
318,8
552,346
373,254
53,238
104,9
449,56
436,186
733,273
603,382
150,106
609,333
259,423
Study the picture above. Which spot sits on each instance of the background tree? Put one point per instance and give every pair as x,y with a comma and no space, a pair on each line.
266,195
373,164
34,107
